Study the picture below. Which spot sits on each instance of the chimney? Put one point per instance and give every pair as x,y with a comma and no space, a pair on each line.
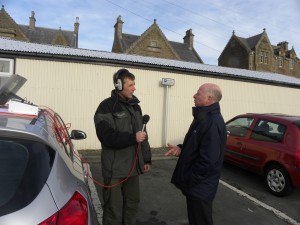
76,31
32,21
76,26
118,28
189,39
284,44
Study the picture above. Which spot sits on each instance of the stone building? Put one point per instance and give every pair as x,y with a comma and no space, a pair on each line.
31,33
257,53
155,44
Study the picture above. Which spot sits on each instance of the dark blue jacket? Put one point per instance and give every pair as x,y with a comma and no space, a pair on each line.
199,165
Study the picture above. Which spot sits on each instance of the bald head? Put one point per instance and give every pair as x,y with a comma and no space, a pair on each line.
207,94
214,91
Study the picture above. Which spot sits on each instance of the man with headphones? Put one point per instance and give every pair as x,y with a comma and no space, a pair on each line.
125,150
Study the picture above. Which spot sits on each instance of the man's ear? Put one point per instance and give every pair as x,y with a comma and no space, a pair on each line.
210,99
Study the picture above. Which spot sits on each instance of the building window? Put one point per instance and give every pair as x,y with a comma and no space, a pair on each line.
6,69
154,46
291,63
261,57
280,63
264,57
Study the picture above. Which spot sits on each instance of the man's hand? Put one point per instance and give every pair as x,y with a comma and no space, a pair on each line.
147,168
175,150
140,136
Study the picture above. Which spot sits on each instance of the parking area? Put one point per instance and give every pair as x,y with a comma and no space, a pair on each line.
163,204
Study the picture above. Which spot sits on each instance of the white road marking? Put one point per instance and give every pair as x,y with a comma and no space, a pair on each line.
278,213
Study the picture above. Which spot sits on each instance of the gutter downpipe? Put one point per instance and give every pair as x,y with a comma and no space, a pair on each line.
165,124
166,82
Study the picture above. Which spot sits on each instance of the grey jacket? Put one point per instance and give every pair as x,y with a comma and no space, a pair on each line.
116,122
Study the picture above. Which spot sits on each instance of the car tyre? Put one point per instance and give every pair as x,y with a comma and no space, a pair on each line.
277,181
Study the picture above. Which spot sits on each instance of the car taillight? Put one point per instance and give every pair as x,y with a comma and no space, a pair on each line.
51,220
75,212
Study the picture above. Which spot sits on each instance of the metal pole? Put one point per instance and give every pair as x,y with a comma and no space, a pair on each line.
166,116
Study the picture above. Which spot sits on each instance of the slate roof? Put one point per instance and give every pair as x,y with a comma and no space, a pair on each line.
19,47
39,35
43,35
186,54
251,43
128,40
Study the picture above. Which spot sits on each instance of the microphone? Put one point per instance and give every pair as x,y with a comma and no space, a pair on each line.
146,118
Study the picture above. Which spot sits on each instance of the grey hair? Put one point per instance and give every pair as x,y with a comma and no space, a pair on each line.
215,92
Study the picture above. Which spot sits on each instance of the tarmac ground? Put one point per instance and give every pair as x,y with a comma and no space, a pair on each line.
163,204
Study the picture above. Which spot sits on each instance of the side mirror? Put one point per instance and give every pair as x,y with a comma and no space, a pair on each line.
78,135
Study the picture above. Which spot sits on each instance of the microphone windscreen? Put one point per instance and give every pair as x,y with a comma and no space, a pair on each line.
146,118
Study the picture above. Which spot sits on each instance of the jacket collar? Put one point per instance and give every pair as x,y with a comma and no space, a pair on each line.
200,113
132,101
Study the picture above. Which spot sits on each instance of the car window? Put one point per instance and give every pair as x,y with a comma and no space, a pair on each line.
239,126
14,159
297,123
268,131
24,169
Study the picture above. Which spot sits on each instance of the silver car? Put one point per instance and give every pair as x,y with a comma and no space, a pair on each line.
42,178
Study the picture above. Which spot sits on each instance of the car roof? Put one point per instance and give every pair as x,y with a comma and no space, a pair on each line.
26,126
276,116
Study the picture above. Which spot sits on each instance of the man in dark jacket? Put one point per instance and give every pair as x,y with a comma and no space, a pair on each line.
201,155
125,150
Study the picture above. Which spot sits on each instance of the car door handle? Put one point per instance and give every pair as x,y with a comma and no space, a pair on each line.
240,144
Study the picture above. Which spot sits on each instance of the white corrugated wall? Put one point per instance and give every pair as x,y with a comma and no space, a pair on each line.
74,90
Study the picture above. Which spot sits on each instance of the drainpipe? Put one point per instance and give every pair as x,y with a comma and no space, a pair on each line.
166,82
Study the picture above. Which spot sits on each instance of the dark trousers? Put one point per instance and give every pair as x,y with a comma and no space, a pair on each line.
199,212
124,198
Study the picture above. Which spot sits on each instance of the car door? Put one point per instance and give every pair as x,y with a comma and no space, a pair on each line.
237,136
265,144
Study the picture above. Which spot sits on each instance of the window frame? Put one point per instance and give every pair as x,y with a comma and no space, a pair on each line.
261,56
266,57
239,127
10,67
272,135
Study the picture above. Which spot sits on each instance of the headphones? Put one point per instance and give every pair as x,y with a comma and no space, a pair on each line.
118,80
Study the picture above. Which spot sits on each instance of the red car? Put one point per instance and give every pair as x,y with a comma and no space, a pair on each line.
267,144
